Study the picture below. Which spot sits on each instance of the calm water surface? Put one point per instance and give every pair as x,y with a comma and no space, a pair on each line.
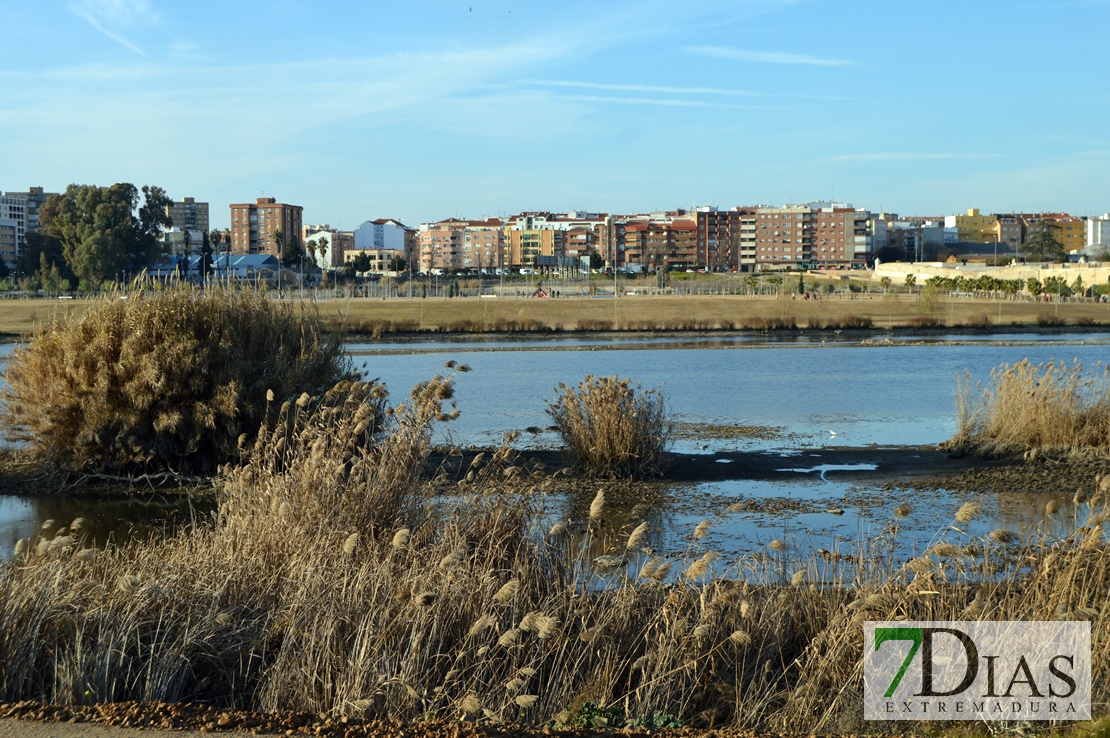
805,386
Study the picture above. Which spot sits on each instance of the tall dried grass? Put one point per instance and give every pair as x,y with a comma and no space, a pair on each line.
165,380
329,583
1024,406
612,428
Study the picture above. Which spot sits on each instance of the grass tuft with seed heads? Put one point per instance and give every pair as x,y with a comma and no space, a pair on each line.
612,428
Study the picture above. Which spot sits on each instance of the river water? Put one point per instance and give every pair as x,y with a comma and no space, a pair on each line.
816,391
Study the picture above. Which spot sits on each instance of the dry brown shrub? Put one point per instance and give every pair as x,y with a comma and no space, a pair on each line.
1034,406
612,428
165,380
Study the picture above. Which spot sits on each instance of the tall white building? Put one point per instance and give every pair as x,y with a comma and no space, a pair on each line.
13,227
1098,231
386,233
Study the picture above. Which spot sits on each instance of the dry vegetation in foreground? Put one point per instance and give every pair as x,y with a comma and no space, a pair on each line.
611,428
328,584
1034,408
165,380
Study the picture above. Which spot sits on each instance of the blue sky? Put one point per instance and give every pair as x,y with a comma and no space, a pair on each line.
427,109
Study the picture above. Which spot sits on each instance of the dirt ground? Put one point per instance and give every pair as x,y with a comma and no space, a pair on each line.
130,720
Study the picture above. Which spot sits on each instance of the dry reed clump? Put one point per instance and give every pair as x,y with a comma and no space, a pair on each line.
612,428
379,327
925,321
1034,407
981,320
594,324
165,380
846,322
765,324
527,325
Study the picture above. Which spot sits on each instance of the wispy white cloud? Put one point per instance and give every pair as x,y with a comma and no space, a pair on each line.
766,57
905,156
662,89
672,90
664,102
183,47
116,18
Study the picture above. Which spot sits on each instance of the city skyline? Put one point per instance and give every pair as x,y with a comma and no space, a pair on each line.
442,109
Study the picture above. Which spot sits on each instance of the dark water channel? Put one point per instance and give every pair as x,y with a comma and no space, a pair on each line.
815,392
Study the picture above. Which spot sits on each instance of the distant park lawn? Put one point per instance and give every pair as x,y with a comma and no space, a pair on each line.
640,312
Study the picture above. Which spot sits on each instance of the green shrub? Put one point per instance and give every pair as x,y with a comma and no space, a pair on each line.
658,720
164,380
612,428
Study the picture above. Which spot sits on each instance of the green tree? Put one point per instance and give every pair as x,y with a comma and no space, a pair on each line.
204,268
1034,286
928,300
1042,244
1056,286
397,264
1077,287
216,237
885,284
911,281
363,264
105,231
311,247
48,275
290,252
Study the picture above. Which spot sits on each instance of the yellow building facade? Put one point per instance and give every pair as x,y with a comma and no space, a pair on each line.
975,227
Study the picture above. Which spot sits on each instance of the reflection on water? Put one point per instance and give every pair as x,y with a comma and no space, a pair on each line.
103,520
813,518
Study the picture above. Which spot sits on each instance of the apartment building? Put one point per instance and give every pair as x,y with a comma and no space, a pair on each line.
1010,231
188,215
381,260
843,236
183,242
1098,231
34,198
973,227
1070,231
453,245
13,227
9,248
331,245
784,236
718,246
531,247
666,244
388,234
253,225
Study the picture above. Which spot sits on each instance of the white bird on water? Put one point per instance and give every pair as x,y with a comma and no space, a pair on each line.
832,433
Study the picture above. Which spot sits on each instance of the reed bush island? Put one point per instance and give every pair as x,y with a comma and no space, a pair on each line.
1026,406
612,428
164,380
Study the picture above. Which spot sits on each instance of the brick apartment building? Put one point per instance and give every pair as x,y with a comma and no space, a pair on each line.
253,225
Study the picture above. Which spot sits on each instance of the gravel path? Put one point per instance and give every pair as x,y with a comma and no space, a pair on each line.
11,728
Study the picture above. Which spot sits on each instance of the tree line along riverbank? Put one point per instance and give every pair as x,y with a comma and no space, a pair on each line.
403,315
